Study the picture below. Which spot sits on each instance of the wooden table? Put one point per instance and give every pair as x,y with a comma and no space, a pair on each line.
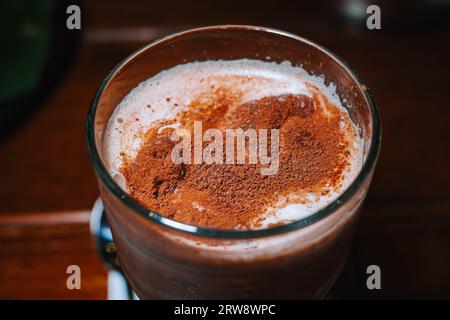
48,186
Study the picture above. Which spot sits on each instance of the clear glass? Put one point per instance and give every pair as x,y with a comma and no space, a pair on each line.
163,258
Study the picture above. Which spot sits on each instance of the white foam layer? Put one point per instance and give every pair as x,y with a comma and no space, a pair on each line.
164,95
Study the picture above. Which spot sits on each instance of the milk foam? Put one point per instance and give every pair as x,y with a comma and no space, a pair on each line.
164,95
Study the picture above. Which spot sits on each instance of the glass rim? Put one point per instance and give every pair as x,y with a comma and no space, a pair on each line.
154,217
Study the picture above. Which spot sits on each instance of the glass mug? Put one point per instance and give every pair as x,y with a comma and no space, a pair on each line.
166,259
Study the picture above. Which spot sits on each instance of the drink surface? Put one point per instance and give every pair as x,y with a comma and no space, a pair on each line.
319,150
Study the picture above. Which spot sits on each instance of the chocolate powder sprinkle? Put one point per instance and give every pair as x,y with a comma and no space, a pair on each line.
314,153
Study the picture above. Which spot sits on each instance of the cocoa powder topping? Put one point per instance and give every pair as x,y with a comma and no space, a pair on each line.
314,154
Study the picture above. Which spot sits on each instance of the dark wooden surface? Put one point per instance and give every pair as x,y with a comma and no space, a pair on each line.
48,185
36,250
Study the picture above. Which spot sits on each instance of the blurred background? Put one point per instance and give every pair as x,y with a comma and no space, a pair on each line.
49,74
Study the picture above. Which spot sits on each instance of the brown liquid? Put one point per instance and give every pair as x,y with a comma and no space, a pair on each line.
161,262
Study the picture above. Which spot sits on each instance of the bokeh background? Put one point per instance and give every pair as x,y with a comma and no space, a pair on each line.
49,74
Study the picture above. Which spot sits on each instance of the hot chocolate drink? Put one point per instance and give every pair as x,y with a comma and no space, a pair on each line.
232,163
